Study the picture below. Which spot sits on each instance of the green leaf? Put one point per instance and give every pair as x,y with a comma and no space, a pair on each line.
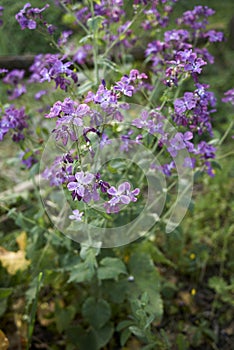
96,312
4,294
95,23
124,336
108,63
82,339
68,18
124,324
85,38
218,284
81,273
104,334
146,280
137,331
64,317
111,268
116,290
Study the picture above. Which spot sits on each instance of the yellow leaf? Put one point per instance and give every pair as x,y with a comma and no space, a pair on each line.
4,343
15,261
22,240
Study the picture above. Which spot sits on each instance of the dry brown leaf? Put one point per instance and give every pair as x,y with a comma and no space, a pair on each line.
4,343
14,261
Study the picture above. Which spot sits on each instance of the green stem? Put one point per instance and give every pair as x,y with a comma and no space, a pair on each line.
226,132
34,310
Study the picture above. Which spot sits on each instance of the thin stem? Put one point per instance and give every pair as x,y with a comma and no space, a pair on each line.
76,19
226,132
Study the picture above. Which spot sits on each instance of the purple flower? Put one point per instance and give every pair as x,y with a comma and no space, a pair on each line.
64,37
3,70
185,103
205,150
15,120
189,162
176,35
204,53
179,142
194,64
60,171
122,195
118,195
69,112
81,183
77,215
1,13
14,76
64,132
214,36
155,47
28,158
39,94
27,15
126,89
229,96
106,98
60,68
104,141
82,53
197,18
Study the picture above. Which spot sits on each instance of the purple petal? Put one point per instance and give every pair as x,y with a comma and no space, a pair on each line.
112,191
125,199
72,186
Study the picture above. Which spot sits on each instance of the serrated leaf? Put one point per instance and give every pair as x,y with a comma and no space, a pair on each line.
111,268
96,312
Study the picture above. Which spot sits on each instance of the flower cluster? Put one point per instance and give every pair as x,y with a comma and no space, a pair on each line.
121,196
60,170
229,96
14,121
27,16
13,79
94,112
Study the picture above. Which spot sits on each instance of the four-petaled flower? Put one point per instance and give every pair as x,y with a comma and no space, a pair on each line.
122,195
82,182
76,216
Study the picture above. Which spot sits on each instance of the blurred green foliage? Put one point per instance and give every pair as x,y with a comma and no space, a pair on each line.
13,40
